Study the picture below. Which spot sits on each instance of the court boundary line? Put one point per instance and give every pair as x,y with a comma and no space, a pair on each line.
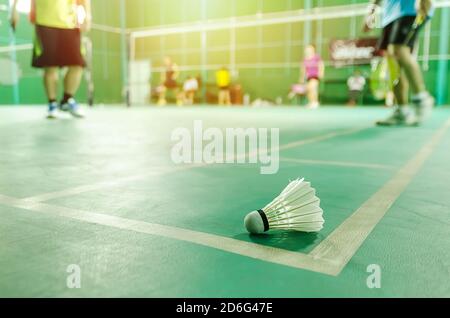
347,164
167,170
351,234
328,257
231,245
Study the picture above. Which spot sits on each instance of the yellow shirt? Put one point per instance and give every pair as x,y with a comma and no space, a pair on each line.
60,14
223,78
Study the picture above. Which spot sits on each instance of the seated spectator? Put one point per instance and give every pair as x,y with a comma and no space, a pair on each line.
223,81
356,84
190,88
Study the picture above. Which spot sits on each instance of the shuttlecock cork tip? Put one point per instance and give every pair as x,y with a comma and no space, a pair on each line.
254,223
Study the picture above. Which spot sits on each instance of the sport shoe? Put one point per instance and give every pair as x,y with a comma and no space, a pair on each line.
423,104
52,111
401,116
313,105
73,108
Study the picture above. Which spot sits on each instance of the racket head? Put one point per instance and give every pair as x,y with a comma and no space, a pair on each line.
379,84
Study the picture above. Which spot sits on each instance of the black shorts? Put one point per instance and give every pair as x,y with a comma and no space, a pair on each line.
398,31
55,47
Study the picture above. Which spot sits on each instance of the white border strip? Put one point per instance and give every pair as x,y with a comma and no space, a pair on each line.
318,13
107,28
15,48
284,17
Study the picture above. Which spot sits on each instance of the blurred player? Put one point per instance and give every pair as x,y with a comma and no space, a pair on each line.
402,22
169,80
58,26
223,81
313,70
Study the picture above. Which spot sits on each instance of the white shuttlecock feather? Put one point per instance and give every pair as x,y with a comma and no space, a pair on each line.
297,208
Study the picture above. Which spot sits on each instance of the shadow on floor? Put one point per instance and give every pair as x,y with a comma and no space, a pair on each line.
292,241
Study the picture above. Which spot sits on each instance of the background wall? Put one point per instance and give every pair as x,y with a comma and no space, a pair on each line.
266,58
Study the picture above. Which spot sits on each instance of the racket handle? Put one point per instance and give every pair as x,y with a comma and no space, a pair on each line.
419,21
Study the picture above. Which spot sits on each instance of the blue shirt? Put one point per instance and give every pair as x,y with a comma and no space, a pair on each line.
396,9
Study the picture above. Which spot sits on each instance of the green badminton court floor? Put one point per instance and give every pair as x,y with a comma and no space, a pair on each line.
103,193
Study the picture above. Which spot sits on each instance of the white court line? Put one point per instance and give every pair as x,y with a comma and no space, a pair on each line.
121,181
106,184
337,163
253,250
340,246
329,257
315,139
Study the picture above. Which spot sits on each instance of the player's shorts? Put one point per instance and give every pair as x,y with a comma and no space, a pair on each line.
310,78
397,33
55,47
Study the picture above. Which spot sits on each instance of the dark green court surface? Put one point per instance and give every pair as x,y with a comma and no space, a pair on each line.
103,194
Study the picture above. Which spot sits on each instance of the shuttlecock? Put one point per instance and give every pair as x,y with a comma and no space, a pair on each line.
297,208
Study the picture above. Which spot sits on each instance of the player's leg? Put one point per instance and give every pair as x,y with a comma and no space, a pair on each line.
72,79
410,67
394,34
72,82
402,41
403,114
44,53
51,82
309,92
313,93
401,90
71,55
422,100
51,76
